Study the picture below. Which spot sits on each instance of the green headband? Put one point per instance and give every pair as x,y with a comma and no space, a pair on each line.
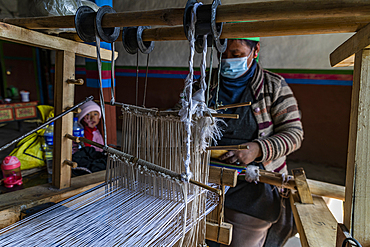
252,38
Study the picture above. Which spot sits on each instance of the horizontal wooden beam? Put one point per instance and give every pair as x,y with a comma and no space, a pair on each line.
257,11
344,55
12,203
269,28
28,37
326,189
316,187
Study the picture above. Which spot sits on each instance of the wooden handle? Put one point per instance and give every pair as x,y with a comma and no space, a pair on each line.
70,163
75,81
233,105
232,147
77,110
232,116
73,138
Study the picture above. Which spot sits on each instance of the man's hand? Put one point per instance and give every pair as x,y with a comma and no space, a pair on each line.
244,156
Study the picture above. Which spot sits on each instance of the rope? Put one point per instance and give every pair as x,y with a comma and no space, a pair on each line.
101,95
187,104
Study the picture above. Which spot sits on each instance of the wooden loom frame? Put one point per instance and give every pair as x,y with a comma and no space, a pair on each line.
353,51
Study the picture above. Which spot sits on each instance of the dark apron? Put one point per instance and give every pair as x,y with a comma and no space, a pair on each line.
258,200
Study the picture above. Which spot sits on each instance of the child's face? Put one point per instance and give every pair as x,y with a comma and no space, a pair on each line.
92,119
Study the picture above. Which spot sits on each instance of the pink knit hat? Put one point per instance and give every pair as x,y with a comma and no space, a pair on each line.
88,107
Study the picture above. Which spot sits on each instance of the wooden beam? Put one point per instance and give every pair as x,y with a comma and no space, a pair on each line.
302,186
12,203
344,54
28,37
293,198
326,189
63,97
316,187
357,203
268,28
229,176
220,234
315,223
257,11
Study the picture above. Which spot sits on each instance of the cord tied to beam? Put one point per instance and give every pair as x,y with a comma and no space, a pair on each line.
205,25
188,109
133,42
89,28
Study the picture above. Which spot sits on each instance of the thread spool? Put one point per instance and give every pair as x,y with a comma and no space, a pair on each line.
205,25
132,39
85,23
145,47
106,34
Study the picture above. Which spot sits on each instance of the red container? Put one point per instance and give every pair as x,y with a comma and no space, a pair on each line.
11,168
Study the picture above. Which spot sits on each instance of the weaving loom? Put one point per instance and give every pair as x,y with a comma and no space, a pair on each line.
140,204
136,206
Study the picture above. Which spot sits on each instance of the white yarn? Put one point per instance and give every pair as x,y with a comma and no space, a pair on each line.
188,108
252,174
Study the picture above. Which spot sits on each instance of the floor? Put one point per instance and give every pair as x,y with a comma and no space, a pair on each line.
320,172
9,132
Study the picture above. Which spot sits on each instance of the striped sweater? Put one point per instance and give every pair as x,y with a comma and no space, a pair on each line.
276,111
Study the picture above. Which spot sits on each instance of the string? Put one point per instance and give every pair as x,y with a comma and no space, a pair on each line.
137,78
101,95
112,77
210,74
146,79
218,82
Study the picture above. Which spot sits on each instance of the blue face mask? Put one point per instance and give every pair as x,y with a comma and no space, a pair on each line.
234,67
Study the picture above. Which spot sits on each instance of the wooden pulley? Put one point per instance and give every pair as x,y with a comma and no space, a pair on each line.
220,44
108,34
88,23
85,23
205,25
132,39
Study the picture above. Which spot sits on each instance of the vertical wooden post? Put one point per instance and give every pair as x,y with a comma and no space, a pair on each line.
63,97
357,200
110,116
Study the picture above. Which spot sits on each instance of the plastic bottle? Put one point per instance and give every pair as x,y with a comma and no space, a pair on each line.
78,131
11,168
48,147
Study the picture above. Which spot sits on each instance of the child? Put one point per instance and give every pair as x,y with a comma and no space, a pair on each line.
89,117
